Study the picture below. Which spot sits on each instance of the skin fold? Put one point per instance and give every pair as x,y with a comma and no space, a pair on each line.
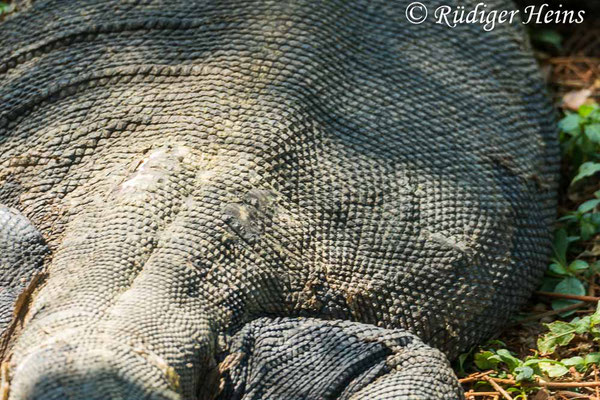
263,199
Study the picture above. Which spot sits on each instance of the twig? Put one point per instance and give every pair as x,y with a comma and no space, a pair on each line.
538,382
568,60
591,286
475,377
498,388
559,385
589,299
505,381
574,395
596,380
476,394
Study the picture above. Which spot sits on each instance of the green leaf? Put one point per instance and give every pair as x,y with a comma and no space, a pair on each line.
592,358
561,333
523,373
559,246
588,229
549,283
494,358
592,131
511,361
461,362
588,205
572,239
586,109
553,370
495,342
558,269
578,265
548,36
571,217
595,317
570,124
569,285
573,361
534,361
486,360
577,362
586,169
582,325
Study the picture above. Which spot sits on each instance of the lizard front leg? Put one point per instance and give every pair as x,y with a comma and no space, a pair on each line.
22,252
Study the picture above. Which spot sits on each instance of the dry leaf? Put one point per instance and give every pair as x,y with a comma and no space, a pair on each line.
573,100
542,395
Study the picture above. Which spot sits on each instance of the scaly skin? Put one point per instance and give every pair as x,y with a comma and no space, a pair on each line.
204,173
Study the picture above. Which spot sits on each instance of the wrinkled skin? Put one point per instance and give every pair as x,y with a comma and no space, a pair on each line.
263,200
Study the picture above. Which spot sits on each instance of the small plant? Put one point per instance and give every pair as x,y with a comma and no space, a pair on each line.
562,333
568,349
580,139
525,376
566,276
585,221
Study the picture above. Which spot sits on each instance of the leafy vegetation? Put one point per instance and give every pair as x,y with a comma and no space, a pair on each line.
580,137
565,349
537,367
